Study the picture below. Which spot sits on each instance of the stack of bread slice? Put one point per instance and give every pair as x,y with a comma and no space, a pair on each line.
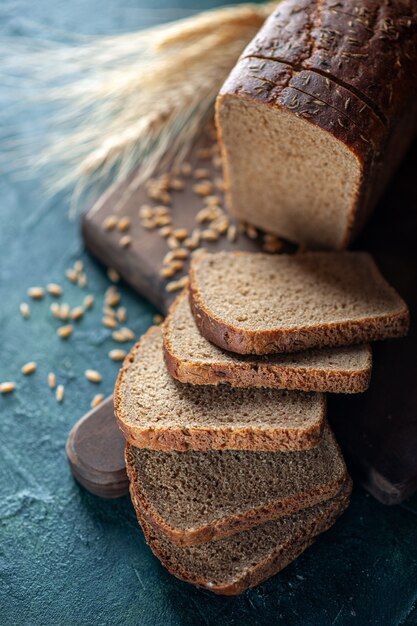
233,468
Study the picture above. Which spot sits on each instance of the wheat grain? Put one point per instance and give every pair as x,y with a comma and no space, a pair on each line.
7,387
98,399
88,301
113,275
65,331
51,380
54,289
117,355
93,376
24,310
29,368
36,293
59,393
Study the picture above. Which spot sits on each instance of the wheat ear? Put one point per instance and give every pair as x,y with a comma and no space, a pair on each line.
143,97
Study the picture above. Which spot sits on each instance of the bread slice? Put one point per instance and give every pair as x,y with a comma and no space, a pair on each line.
190,358
195,497
155,411
232,565
264,304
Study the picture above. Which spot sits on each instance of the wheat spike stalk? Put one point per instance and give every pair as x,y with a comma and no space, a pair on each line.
144,96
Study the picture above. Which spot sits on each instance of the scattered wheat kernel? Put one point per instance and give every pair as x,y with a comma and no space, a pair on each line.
82,280
164,220
123,224
173,242
161,211
180,253
186,169
71,274
149,224
113,275
117,355
180,233
177,266
175,285
110,222
204,215
113,298
209,235
168,257
24,310
98,399
54,289
167,272
59,393
201,172
251,232
128,333
121,314
93,376
37,293
88,301
64,311
65,331
158,318
232,232
177,184
7,387
55,310
77,313
109,322
145,211
52,380
78,266
108,311
205,188
191,243
165,231
29,368
119,336
125,241
212,200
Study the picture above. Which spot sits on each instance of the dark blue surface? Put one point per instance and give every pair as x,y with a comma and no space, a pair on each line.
69,558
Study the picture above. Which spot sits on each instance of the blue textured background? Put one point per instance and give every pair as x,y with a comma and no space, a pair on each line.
69,558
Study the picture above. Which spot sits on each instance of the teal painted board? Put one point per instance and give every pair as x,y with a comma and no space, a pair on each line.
69,558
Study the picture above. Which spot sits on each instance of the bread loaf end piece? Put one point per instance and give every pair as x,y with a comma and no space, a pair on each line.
307,145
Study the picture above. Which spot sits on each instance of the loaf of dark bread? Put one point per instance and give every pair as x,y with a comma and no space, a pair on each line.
317,114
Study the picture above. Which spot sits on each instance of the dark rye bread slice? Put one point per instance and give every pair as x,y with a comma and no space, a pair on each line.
265,304
155,411
190,358
195,497
317,114
232,565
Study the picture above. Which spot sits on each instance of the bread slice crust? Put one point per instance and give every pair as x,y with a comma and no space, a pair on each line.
279,556
231,523
241,340
280,372
157,435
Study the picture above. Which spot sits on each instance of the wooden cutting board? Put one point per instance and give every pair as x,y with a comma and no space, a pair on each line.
377,430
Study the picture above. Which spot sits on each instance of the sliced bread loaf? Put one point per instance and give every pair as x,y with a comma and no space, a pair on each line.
190,358
264,304
232,565
195,497
155,411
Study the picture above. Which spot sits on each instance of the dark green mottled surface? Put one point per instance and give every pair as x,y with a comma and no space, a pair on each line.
69,558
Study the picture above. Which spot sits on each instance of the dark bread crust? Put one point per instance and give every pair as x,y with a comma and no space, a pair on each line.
257,573
230,524
247,341
190,438
360,63
251,374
